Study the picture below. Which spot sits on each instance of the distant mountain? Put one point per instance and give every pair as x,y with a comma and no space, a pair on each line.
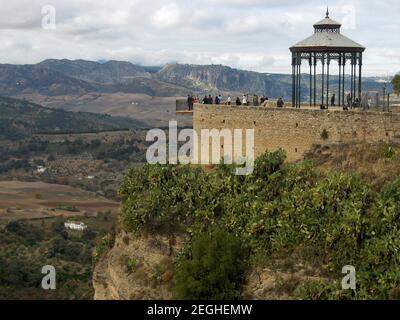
226,79
19,119
17,79
110,72
214,78
149,86
66,77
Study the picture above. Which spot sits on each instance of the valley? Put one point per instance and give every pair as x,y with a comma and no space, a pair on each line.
145,94
73,132
58,166
149,110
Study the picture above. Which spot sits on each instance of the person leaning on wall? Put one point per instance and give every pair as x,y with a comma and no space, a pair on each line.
280,103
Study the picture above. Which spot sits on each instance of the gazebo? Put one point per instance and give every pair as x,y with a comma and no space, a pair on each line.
326,45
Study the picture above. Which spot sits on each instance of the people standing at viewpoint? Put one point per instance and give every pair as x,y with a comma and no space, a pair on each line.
244,100
280,103
349,101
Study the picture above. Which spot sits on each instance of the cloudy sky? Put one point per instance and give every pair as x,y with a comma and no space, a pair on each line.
246,34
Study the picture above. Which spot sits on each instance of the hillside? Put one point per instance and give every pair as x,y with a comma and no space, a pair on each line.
110,72
19,79
226,79
19,119
74,78
284,232
66,77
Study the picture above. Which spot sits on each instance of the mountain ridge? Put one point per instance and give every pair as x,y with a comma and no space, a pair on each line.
53,77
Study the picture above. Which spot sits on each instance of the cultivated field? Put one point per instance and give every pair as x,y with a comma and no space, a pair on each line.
38,200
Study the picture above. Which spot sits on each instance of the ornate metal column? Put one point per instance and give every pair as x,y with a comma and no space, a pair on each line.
340,79
328,62
360,76
311,89
293,80
323,80
355,77
352,79
299,79
315,78
344,80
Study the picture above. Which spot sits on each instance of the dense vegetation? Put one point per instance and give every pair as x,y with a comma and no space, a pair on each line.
216,268
127,149
25,247
329,220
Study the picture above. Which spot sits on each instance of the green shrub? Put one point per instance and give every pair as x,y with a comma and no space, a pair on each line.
324,134
330,219
389,152
102,247
131,265
215,269
318,290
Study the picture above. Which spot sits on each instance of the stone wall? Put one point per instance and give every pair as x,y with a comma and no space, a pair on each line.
297,130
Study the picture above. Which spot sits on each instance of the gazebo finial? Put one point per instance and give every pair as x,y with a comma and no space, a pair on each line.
327,12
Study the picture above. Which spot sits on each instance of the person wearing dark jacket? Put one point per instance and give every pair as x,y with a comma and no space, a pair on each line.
280,103
238,102
333,100
190,102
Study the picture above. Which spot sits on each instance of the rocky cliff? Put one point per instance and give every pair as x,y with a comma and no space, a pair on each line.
225,79
141,268
137,268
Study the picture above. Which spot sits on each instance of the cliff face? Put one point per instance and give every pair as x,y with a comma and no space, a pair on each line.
225,79
137,268
141,268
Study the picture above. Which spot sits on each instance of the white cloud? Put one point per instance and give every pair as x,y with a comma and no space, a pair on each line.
247,34
168,16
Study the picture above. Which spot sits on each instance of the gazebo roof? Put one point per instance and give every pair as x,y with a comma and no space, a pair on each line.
327,41
327,37
328,22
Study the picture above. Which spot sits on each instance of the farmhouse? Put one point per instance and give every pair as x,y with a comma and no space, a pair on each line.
72,225
41,170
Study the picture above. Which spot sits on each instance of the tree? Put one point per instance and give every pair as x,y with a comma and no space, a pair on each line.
396,84
215,270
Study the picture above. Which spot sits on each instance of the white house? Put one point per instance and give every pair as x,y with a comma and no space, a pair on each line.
41,169
79,226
